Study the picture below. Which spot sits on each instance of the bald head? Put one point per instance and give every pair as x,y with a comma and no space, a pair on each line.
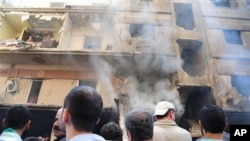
59,113
57,126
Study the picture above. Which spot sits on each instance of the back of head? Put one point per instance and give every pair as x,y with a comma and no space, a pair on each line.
162,108
85,105
139,124
17,116
33,139
109,114
111,131
213,118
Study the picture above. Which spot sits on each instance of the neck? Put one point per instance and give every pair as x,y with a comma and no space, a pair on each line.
167,118
218,136
72,132
19,132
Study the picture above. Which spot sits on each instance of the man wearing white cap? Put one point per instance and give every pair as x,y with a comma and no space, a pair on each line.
165,127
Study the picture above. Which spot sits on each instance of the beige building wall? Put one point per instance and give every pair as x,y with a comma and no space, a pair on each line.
53,91
22,93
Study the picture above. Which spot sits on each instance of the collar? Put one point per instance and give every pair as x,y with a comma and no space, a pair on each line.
11,133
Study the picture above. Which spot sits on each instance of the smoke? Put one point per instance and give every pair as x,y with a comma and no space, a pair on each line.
147,67
104,72
146,95
144,92
147,78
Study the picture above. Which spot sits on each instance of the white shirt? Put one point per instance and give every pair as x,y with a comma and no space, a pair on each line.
87,137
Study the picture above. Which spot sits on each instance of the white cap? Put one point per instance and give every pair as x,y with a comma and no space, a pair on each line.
162,107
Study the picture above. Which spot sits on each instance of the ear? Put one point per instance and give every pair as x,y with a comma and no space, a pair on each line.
172,115
129,136
28,124
66,116
201,127
4,122
225,126
98,121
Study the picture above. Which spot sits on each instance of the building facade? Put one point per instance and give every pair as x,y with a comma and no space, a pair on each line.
135,52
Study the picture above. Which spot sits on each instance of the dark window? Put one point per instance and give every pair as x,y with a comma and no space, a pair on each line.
233,37
222,3
184,15
89,83
194,98
241,83
192,54
35,90
142,30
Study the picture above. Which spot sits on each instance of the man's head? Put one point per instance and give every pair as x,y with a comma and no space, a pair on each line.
58,132
111,131
212,119
164,109
107,115
139,125
82,108
32,138
18,118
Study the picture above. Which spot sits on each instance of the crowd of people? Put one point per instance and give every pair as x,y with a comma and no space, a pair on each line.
81,111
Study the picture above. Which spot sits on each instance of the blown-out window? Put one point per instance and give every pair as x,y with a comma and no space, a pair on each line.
184,15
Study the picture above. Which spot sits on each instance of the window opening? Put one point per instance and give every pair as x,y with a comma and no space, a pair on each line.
233,37
184,15
35,90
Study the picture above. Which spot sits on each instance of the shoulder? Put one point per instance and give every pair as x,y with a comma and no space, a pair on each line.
185,133
10,136
88,137
4,138
183,130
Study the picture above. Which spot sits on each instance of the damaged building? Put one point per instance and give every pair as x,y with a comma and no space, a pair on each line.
134,52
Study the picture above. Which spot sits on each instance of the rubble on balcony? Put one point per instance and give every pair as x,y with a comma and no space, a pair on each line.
36,30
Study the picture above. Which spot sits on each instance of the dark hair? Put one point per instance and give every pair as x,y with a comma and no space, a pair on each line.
109,114
17,116
32,139
139,123
166,114
213,118
111,131
84,104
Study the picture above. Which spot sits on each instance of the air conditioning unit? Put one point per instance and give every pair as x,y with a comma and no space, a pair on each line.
11,86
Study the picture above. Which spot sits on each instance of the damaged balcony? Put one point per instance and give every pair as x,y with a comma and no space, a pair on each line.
24,31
